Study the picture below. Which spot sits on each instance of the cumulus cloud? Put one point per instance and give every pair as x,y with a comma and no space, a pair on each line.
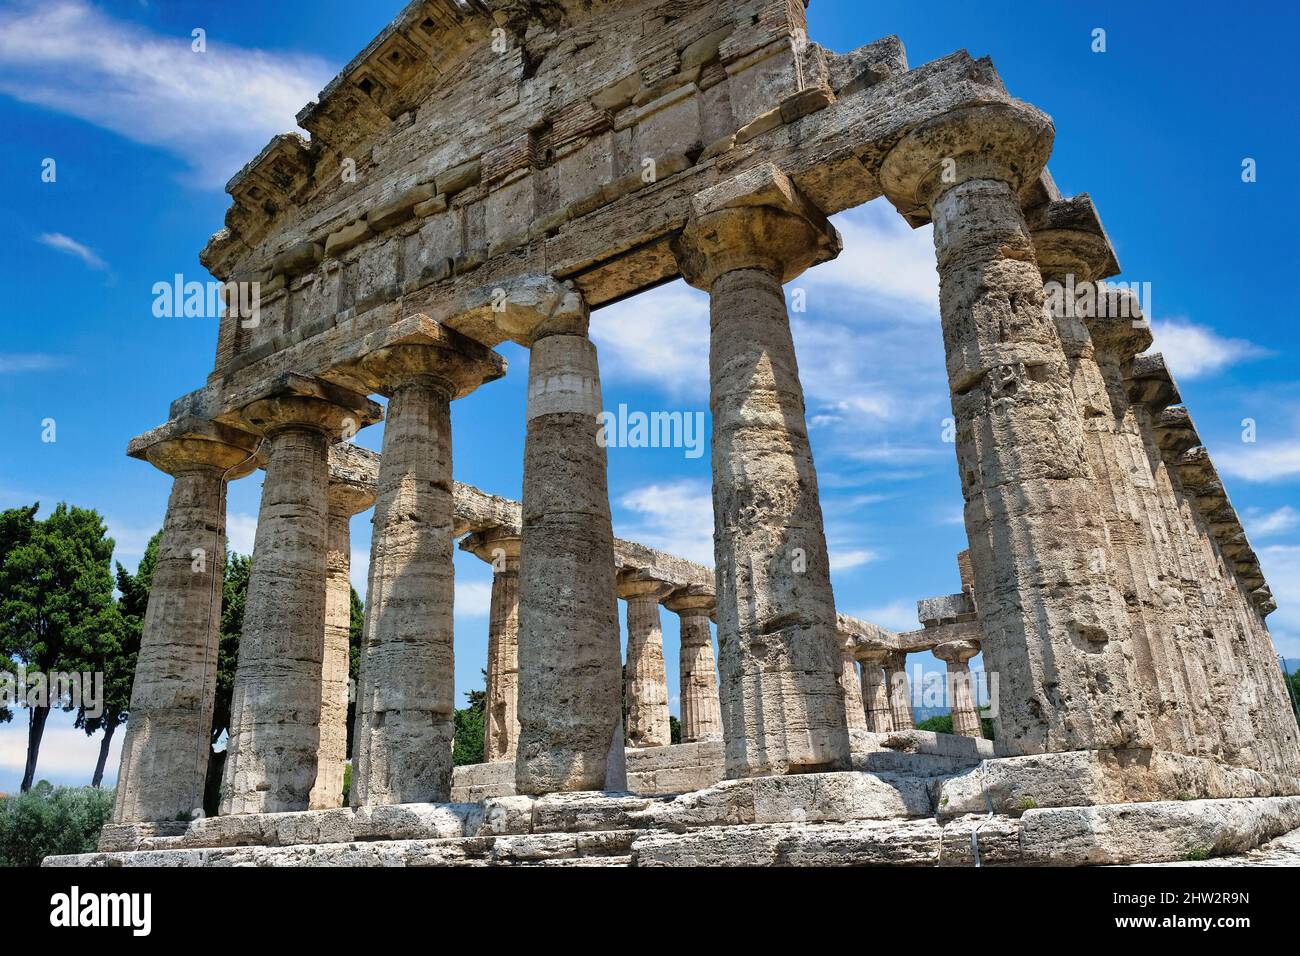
241,530
897,615
1196,351
66,244
1262,462
675,516
1263,524
215,110
473,598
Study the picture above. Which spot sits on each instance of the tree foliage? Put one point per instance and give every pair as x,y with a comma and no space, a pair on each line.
49,820
467,745
56,597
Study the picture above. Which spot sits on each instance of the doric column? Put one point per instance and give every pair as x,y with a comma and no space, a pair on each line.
570,709
275,708
698,670
406,700
965,717
345,500
875,692
855,714
645,678
500,548
782,705
900,690
1101,330
1054,630
165,752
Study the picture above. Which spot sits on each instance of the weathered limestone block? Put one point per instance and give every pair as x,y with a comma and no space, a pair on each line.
165,753
500,548
406,696
275,707
782,705
965,716
1054,631
345,500
1097,777
645,679
570,717
698,670
1153,832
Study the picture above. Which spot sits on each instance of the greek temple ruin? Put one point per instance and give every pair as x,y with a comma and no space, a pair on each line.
493,170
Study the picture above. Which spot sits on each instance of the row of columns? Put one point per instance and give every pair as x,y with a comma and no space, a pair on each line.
1080,666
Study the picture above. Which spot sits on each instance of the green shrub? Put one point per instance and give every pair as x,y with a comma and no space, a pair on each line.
51,820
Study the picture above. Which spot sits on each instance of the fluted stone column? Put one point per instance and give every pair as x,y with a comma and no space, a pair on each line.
780,661
406,700
345,500
855,714
1100,331
168,734
899,689
875,692
645,678
1054,630
276,702
500,548
570,711
698,670
965,716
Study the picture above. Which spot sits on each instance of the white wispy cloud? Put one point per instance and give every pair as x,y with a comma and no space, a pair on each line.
1196,351
14,363
215,110
1263,524
675,516
241,530
66,244
883,258
660,337
67,755
473,598
843,560
897,615
1263,461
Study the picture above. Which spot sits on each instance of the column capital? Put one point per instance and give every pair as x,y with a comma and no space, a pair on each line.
756,220
866,654
347,499
494,543
956,652
1069,239
692,600
895,660
1119,330
1009,142
296,401
635,584
1150,384
193,444
531,307
437,356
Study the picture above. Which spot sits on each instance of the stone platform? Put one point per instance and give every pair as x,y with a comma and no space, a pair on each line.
853,818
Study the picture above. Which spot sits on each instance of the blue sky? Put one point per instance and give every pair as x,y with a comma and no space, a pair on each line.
145,132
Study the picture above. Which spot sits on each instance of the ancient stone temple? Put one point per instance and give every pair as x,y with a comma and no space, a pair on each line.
492,170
